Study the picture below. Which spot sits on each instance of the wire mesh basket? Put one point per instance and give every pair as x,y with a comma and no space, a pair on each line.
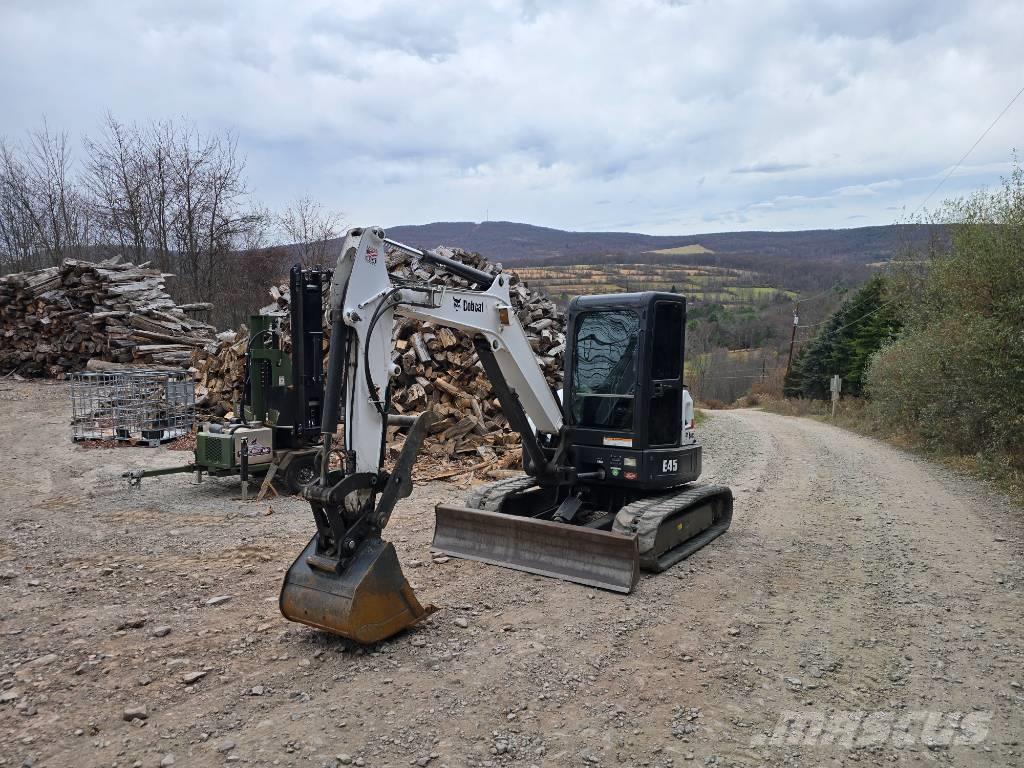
142,407
95,398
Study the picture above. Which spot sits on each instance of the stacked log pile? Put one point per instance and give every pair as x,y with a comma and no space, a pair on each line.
219,372
439,368
57,319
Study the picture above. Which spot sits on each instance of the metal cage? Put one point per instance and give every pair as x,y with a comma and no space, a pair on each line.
95,398
142,407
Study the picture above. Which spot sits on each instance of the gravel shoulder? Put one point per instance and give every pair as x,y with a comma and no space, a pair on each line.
855,578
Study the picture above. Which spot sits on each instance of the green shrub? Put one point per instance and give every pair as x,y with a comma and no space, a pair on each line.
955,375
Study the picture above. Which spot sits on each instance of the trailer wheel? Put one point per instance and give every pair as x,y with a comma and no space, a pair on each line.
300,472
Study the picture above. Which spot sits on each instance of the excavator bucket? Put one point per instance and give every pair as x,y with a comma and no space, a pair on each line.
366,598
369,601
570,552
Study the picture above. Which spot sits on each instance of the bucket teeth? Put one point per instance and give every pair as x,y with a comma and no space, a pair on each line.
370,600
569,552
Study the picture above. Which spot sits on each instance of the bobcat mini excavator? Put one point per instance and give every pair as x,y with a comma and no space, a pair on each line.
608,486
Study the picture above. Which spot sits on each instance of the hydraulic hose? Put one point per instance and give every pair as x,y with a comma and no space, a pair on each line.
337,363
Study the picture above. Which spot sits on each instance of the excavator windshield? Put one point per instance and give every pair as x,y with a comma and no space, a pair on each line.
604,372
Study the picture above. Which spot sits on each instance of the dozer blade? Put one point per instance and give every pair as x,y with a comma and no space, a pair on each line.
569,552
369,601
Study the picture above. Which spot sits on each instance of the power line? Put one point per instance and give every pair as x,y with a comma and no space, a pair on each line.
898,294
816,296
968,152
862,301
883,305
857,320
712,375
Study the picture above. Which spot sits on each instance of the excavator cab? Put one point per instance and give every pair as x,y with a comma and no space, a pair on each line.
625,395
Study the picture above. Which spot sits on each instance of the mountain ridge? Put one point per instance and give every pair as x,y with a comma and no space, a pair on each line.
515,243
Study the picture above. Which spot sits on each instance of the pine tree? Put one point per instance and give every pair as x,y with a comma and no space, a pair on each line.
845,344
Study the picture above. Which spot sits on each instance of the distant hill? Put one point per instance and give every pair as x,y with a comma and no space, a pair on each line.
522,244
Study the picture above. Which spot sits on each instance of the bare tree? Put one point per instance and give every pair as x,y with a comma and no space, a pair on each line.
18,239
698,354
166,193
258,235
45,214
57,205
310,227
159,194
209,219
117,175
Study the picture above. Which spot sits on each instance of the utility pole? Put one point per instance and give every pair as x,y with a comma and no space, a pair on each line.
792,339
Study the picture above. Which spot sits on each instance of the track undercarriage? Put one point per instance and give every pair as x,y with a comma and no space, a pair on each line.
589,534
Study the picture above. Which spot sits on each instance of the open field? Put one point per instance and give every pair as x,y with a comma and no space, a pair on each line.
731,287
855,579
683,250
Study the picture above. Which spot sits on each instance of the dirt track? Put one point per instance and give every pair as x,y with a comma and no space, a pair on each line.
855,579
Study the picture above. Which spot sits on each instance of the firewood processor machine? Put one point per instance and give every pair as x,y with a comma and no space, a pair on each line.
277,426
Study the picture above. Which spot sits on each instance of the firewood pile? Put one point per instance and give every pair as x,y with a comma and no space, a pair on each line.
57,319
439,369
219,371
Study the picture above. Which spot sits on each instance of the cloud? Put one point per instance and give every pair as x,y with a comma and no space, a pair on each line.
674,117
771,167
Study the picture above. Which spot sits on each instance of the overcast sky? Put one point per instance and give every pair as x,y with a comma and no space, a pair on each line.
660,117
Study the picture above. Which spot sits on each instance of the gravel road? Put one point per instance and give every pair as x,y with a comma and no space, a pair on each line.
865,607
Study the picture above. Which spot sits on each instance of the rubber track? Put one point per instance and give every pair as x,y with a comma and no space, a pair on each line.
662,507
489,497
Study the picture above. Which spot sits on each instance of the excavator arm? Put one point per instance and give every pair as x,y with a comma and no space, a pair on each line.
348,580
365,300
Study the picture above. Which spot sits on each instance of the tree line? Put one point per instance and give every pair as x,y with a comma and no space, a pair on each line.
164,192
